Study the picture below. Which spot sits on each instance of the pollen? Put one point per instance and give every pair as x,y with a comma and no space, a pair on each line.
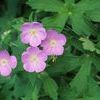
3,62
33,59
32,31
53,43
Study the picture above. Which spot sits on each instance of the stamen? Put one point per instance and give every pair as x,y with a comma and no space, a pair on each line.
34,59
53,43
3,62
32,31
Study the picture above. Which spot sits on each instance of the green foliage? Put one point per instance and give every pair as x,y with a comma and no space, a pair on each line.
58,21
87,44
50,86
17,49
61,66
46,5
94,15
81,79
16,23
74,11
92,92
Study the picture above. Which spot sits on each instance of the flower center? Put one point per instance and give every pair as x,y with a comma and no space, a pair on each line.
53,43
34,59
3,62
32,31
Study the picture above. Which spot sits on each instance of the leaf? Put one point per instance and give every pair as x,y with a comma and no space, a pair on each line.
94,15
17,23
90,98
6,38
78,22
5,20
19,87
93,88
46,5
76,43
4,79
67,94
69,1
35,93
98,51
8,87
81,79
49,85
56,22
93,91
96,62
28,86
84,5
88,45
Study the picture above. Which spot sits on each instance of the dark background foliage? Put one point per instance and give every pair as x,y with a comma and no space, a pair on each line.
73,76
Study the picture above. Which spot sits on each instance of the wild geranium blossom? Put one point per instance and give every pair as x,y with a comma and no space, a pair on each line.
53,44
33,33
7,63
34,60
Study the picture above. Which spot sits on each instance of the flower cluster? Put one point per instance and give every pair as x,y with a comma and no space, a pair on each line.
34,58
36,36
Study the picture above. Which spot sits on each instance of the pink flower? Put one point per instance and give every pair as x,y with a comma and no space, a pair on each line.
7,63
34,60
53,44
33,33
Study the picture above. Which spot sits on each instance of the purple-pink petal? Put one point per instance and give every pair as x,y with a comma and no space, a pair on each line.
59,50
42,33
35,41
31,50
29,68
52,33
43,56
25,38
5,71
40,67
62,39
4,54
26,26
36,25
24,57
13,61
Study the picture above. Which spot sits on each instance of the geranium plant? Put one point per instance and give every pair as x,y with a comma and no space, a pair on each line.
50,50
